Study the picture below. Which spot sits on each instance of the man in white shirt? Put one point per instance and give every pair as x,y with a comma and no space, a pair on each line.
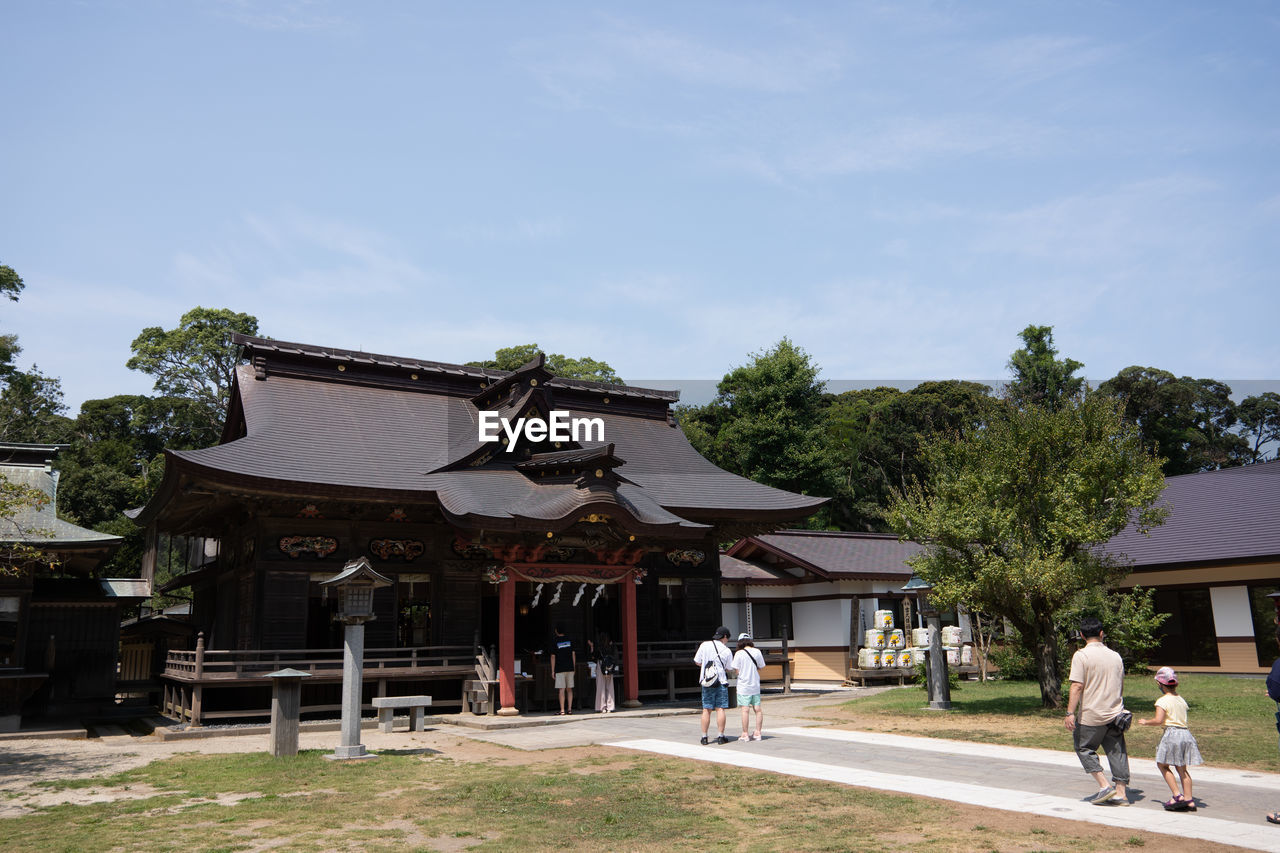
1097,688
713,659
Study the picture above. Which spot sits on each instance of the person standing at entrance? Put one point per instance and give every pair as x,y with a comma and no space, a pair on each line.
748,662
1097,684
605,665
714,660
564,662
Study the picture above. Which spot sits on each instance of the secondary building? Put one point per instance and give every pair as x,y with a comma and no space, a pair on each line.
1212,564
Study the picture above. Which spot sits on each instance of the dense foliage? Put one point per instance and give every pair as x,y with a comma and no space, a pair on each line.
510,358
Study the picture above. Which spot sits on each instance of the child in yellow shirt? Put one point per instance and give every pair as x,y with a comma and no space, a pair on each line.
1177,747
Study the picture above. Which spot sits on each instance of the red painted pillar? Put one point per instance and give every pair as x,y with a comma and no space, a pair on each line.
630,655
507,648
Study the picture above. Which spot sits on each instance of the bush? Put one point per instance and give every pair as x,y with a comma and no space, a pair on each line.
921,678
1014,663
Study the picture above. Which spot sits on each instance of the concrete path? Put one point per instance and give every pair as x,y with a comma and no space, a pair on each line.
1036,781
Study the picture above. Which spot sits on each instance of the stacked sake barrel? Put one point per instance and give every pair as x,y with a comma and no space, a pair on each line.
955,655
884,646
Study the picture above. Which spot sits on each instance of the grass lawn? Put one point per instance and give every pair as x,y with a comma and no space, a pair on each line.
582,800
1232,718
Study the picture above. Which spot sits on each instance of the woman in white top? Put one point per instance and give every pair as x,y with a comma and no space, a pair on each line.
1177,747
748,661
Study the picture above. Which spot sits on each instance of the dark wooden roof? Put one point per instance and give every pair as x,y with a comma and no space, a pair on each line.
394,428
741,572
831,555
1232,514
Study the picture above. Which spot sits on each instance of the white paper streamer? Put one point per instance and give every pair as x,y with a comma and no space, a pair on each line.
596,597
581,588
537,594
555,599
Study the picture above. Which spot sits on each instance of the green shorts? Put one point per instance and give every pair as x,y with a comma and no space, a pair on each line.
748,701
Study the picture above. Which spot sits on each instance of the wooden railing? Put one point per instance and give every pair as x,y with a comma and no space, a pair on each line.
203,665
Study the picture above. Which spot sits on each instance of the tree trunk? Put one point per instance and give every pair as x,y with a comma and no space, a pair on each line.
1047,662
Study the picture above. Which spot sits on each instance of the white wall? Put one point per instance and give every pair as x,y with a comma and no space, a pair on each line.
821,623
1232,615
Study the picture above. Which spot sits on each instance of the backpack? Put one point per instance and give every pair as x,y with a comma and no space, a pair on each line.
710,675
607,664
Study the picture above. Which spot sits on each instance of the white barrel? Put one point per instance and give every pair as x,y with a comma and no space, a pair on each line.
966,655
884,619
953,656
951,635
920,637
874,639
896,639
906,659
868,659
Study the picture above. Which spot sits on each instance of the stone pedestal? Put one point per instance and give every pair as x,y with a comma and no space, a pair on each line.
286,701
939,686
349,745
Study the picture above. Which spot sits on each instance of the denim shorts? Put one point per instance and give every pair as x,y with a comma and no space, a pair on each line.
715,696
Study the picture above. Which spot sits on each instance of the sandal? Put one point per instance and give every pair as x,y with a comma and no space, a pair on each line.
1177,804
1274,817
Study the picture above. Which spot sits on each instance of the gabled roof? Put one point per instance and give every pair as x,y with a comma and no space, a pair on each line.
831,555
31,465
735,571
321,421
1231,514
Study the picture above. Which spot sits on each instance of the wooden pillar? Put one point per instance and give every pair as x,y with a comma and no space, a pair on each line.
630,646
507,649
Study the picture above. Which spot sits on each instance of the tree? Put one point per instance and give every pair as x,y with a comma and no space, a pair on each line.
16,501
11,283
875,438
195,361
1038,376
766,422
1260,418
509,358
1013,516
31,407
1189,422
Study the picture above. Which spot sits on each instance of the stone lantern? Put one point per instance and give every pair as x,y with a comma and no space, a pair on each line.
355,585
936,670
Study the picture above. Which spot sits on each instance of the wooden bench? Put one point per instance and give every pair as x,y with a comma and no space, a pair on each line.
415,705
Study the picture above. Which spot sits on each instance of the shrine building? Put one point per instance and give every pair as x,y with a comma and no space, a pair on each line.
456,483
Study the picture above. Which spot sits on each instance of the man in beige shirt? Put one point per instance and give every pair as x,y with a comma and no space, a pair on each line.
1097,685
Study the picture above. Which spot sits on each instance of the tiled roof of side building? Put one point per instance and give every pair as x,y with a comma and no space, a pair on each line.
1231,514
835,554
735,571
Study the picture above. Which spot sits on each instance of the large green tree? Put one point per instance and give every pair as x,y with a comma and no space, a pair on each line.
509,358
766,422
1012,516
1039,376
196,360
1190,423
1260,420
875,437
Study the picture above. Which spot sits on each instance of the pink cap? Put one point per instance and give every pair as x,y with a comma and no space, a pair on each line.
1166,675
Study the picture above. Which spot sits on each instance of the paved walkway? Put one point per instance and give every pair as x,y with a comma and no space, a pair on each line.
1033,781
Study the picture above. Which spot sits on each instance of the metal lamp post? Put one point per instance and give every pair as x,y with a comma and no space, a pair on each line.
936,668
355,585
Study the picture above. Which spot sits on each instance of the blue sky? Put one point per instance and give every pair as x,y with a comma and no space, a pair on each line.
898,187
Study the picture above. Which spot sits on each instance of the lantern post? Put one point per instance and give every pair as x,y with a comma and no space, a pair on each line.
355,585
936,669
